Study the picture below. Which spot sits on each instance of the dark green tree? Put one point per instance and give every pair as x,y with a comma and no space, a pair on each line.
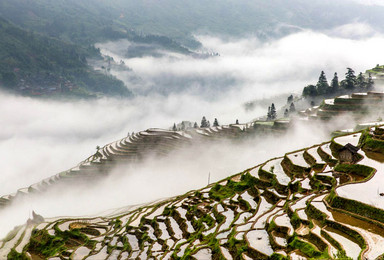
350,79
322,84
204,122
292,108
335,84
273,112
310,91
174,128
195,125
360,81
182,126
215,123
237,121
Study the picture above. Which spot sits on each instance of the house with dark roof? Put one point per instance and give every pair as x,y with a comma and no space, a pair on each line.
348,154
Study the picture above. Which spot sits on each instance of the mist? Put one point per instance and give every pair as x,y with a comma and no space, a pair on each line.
39,138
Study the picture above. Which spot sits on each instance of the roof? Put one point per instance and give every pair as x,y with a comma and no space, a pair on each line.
350,147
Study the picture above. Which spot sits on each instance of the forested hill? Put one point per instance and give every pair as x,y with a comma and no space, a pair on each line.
35,64
83,22
88,20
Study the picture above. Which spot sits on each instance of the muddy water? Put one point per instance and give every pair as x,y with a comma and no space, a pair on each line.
373,234
351,248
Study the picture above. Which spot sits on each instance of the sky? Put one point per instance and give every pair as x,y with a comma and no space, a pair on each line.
40,138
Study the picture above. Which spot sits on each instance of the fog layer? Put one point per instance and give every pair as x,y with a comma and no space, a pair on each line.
39,138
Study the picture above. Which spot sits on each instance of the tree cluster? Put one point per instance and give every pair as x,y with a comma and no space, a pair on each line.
349,84
185,124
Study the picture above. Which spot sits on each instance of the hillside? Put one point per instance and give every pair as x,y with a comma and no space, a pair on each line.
34,64
303,204
89,20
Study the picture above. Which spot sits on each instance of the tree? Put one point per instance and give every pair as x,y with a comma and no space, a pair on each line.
360,81
273,112
292,108
204,123
290,99
182,125
335,84
237,121
174,128
322,84
310,91
286,113
350,79
215,123
195,125
370,82
269,114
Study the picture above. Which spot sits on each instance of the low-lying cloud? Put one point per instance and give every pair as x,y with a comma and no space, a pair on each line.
39,138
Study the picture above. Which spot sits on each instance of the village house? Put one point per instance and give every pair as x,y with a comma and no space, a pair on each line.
348,154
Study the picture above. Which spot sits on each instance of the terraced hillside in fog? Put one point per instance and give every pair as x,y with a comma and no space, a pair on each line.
138,147
302,204
357,105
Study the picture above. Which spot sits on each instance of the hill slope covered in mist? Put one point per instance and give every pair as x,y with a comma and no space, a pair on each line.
310,203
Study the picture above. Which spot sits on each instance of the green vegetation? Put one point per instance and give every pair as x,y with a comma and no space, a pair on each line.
34,64
372,144
357,207
307,249
14,255
220,192
361,170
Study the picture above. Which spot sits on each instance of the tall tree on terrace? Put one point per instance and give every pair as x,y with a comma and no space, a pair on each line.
360,81
322,84
215,123
335,84
350,79
204,123
174,128
370,82
273,112
195,125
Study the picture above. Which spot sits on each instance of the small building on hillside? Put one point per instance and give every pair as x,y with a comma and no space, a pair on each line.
348,154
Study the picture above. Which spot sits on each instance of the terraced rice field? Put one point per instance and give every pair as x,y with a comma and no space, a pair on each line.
300,205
